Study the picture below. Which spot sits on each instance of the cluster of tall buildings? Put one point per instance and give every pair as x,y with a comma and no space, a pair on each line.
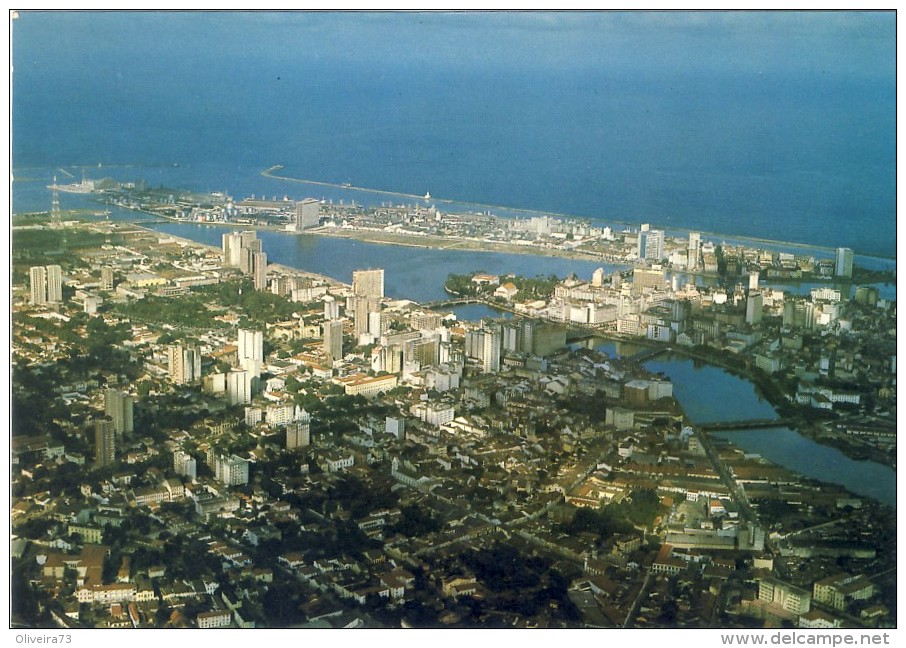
365,306
239,382
484,345
183,364
118,406
492,340
46,284
117,421
184,367
244,250
230,470
407,351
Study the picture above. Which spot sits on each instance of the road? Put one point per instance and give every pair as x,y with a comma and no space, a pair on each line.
739,495
630,615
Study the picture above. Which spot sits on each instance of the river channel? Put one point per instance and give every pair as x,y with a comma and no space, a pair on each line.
416,273
709,394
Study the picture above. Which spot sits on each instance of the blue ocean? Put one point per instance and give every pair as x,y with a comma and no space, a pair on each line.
777,126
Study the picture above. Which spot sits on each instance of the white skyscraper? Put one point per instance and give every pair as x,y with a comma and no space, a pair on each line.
45,284
184,364
333,340
259,270
55,283
239,387
331,308
104,442
232,470
694,251
298,433
754,308
250,247
375,320
251,345
37,276
651,244
232,248
107,278
491,359
368,283
119,407
844,265
251,352
597,278
185,464
362,307
396,425
308,214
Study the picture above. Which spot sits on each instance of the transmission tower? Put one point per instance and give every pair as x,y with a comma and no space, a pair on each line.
55,206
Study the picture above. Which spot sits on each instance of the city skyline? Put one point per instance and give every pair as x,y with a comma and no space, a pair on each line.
420,319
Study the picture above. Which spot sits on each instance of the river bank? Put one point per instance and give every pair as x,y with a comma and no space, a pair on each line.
549,250
711,397
794,417
755,241
431,242
335,264
460,244
456,243
282,268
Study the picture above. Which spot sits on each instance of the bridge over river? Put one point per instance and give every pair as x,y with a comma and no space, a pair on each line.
453,301
744,424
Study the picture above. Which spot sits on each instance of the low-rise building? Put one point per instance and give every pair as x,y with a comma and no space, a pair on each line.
790,598
816,618
665,563
839,590
214,619
361,384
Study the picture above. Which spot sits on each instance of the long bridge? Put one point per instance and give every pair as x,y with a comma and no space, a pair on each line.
742,424
454,301
651,352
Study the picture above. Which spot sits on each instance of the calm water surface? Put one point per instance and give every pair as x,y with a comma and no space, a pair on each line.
790,449
709,394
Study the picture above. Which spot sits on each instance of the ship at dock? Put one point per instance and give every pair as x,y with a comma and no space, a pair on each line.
84,187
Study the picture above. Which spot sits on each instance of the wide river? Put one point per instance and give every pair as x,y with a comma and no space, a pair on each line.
709,394
415,273
410,272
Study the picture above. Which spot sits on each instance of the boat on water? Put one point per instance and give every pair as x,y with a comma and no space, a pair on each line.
83,187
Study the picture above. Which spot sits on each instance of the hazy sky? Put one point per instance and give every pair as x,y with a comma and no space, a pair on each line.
644,112
848,43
